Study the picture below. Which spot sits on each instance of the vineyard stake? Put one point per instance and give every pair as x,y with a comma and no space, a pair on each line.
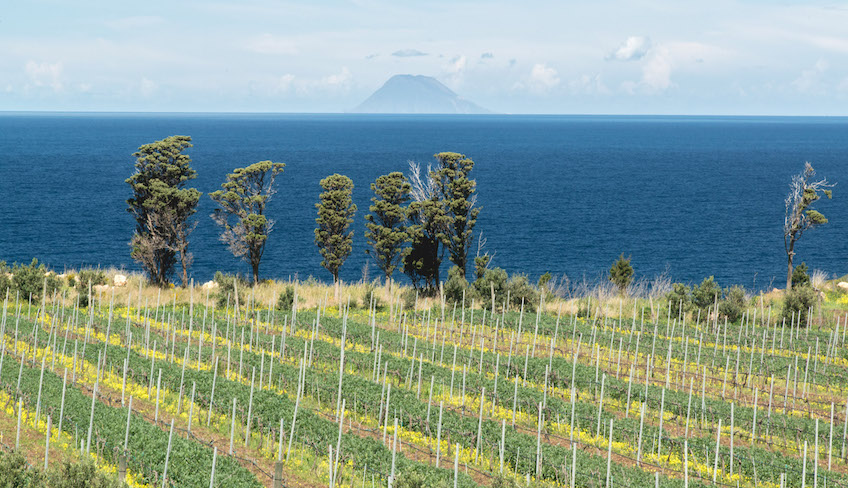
127,432
439,434
18,435
804,468
191,406
249,409
212,395
394,454
480,425
339,441
91,419
456,466
601,406
609,456
233,427
214,459
62,407
124,383
158,390
718,445
503,444
168,454
662,409
47,442
539,444
639,442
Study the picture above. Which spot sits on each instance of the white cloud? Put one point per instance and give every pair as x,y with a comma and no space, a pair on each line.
285,82
456,65
543,77
656,73
339,80
588,84
408,53
270,44
811,80
147,87
45,74
634,48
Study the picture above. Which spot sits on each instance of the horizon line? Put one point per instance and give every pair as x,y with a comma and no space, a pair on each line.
498,114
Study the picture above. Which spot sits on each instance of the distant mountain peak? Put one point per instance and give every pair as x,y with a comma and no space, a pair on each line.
417,94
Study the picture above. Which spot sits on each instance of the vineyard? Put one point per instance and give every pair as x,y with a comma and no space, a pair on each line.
171,391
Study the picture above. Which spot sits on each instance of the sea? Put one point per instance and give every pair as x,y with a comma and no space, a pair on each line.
684,197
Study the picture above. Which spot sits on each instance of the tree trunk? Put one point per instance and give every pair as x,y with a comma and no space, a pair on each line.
336,285
790,254
255,267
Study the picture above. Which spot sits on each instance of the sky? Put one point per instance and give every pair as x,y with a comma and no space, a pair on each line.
721,57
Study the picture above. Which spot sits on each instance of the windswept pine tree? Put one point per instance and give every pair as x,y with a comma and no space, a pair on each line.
386,224
458,192
335,214
162,205
243,200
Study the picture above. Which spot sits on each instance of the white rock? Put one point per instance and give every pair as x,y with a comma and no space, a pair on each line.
119,280
100,288
209,285
843,286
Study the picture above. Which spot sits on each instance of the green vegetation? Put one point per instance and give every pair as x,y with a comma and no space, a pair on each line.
621,273
456,190
242,201
800,216
386,225
335,214
161,206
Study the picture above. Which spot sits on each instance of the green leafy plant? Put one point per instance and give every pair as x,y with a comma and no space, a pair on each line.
797,302
33,279
680,298
704,295
285,301
800,275
621,273
733,304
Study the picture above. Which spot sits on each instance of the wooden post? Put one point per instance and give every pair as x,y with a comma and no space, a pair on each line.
456,466
804,468
122,467
278,474
233,427
127,433
717,446
639,442
503,443
479,426
439,434
573,463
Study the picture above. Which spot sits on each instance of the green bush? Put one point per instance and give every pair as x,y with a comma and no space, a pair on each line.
416,478
800,275
371,293
798,302
83,474
680,297
492,278
285,301
456,287
519,288
621,273
16,472
733,304
704,295
31,279
408,297
542,284
95,276
5,281
227,288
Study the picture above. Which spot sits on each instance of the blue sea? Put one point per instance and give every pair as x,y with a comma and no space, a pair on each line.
690,196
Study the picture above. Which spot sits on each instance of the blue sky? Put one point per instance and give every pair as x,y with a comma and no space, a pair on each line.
605,56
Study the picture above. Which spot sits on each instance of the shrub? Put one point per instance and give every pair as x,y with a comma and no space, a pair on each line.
680,298
798,302
83,474
370,294
704,295
15,472
31,279
621,273
285,301
492,278
520,288
733,304
227,288
800,275
457,287
414,478
546,278
95,276
5,281
408,296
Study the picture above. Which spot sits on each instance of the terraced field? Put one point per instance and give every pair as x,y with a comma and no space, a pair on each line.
184,394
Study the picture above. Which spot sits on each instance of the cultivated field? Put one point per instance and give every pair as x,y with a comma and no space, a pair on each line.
173,390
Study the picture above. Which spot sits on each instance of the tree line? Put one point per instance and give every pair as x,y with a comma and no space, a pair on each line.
413,221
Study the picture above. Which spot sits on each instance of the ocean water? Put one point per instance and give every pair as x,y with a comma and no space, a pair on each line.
690,196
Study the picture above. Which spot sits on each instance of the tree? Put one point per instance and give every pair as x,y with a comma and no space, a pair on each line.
800,216
162,205
457,191
335,214
386,224
243,199
621,273
428,223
